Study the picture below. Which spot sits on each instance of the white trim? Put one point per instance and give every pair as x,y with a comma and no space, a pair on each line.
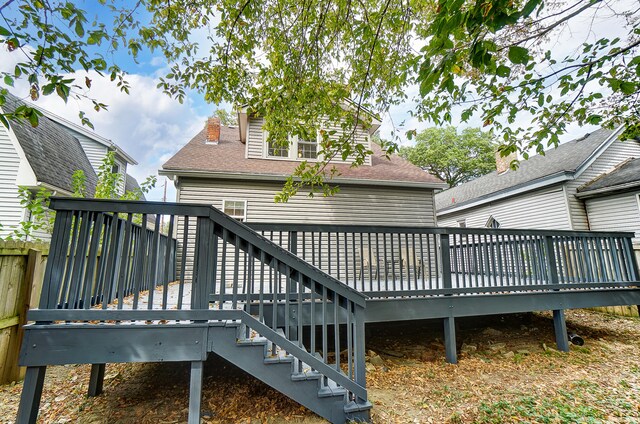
242,218
568,206
544,182
596,153
25,176
280,177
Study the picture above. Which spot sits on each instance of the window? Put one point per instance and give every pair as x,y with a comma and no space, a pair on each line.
492,223
462,223
307,149
115,169
235,209
278,150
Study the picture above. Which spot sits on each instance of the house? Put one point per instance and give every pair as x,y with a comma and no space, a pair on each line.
547,191
612,200
234,169
47,156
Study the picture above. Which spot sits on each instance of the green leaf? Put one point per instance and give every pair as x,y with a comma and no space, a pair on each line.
518,55
4,32
503,71
627,87
8,80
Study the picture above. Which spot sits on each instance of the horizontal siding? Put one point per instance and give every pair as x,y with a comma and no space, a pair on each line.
542,209
256,144
10,210
619,212
617,152
95,151
352,205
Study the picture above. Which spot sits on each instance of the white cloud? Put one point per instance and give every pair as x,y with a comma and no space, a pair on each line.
147,124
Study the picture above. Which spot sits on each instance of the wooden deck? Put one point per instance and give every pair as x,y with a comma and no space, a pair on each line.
267,297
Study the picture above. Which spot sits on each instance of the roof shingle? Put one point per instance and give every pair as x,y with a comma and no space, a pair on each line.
566,158
53,153
228,156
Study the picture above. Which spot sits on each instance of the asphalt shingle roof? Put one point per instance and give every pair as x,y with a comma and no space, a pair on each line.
628,172
566,158
228,156
53,153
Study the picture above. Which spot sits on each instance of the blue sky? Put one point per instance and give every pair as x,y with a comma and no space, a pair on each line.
151,127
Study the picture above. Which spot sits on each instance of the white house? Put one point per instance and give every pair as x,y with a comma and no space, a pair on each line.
545,191
47,156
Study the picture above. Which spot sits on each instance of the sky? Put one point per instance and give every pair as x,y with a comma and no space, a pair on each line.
151,127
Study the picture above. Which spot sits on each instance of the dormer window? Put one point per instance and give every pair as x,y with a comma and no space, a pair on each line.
277,150
492,223
307,149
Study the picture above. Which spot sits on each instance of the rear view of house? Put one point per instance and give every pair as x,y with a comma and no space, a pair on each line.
235,170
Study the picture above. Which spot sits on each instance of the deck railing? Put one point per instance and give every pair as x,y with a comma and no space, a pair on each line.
211,268
385,261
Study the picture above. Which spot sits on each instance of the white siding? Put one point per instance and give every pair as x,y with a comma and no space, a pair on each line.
95,151
619,212
352,205
10,210
540,209
256,145
617,152
122,170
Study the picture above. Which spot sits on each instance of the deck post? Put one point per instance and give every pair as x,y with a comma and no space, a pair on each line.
450,340
195,392
96,380
560,326
31,394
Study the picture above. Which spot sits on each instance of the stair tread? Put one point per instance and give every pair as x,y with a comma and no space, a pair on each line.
255,341
327,391
306,375
352,407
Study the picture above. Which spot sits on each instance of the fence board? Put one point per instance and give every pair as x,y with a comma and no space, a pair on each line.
21,276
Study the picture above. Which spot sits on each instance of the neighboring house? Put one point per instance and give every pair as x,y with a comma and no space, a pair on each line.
234,169
612,200
44,156
96,147
543,192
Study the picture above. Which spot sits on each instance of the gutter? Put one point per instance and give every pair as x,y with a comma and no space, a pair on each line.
551,179
608,190
283,178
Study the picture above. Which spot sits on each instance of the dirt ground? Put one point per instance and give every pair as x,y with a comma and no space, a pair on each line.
508,371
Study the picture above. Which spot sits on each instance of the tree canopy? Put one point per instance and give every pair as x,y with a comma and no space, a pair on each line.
299,63
453,157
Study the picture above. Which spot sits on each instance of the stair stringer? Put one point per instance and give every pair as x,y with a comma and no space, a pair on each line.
251,359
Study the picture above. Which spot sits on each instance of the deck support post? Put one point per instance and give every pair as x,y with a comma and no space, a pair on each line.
96,380
195,391
450,340
31,394
560,326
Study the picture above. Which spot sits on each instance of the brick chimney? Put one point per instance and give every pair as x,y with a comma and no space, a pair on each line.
503,162
213,130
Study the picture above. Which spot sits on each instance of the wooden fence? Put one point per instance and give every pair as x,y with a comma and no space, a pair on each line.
22,267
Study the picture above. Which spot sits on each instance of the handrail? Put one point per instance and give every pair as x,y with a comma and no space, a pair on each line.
388,229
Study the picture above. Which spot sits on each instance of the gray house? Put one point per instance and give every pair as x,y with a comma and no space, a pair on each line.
47,156
234,169
544,192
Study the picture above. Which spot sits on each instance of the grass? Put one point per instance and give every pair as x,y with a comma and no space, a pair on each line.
584,402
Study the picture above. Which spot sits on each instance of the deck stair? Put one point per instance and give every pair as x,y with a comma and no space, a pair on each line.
272,364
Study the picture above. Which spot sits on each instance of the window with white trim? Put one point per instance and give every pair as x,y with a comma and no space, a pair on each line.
235,209
277,150
492,223
462,223
307,149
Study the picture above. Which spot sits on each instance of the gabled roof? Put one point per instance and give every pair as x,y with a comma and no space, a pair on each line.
131,184
227,159
87,133
625,176
53,153
557,165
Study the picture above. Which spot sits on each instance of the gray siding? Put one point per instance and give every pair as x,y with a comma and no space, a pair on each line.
617,152
619,212
352,205
10,210
256,145
541,209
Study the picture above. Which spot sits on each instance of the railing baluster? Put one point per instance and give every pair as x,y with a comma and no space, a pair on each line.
124,262
261,295
92,259
79,254
167,263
